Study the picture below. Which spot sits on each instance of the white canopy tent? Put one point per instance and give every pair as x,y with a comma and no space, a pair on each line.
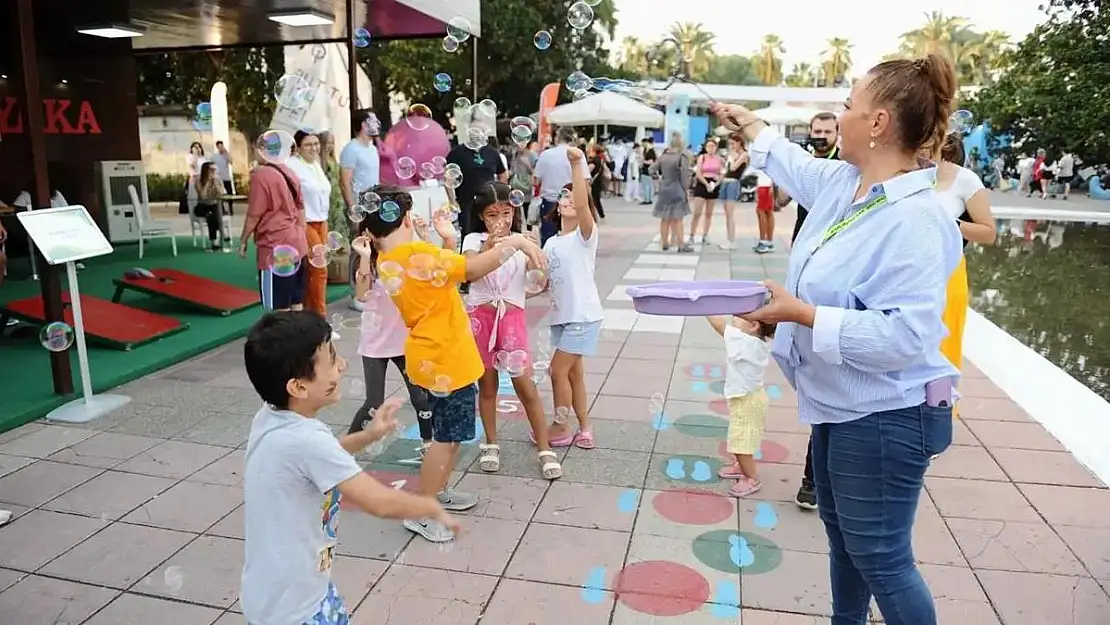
786,115
606,108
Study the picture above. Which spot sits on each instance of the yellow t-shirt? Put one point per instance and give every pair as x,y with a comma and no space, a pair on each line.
423,279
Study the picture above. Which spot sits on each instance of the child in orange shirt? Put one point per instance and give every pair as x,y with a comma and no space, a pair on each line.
440,353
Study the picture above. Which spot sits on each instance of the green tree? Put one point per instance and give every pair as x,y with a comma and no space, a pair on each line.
1055,92
696,46
837,62
186,79
511,71
731,69
768,61
803,75
977,56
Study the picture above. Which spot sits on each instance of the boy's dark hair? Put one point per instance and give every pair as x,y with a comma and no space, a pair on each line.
358,118
281,346
487,195
373,225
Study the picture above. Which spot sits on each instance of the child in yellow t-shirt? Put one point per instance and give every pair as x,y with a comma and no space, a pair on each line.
440,353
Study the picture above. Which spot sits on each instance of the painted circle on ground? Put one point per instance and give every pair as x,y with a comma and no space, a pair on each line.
693,507
701,425
695,470
753,554
769,451
704,371
717,388
661,588
719,406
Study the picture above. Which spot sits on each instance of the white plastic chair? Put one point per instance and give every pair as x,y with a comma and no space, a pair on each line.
148,228
198,226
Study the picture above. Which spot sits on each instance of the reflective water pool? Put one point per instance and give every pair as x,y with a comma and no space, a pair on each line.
1048,284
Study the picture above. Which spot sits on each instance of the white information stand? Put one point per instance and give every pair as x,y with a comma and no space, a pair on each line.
425,199
68,235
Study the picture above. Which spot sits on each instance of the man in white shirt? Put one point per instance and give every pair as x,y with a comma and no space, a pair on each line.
1065,172
553,173
223,162
1025,173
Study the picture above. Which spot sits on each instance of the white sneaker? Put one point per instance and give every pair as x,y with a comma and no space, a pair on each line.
727,245
432,531
5,516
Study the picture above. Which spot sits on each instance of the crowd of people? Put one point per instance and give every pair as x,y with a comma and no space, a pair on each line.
869,335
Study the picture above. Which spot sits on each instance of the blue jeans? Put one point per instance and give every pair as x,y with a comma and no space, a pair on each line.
647,188
548,228
868,474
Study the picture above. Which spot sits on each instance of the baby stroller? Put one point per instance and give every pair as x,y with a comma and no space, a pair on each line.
748,185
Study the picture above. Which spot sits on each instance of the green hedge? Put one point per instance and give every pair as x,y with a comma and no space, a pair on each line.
167,187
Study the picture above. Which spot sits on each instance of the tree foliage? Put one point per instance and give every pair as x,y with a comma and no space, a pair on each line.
977,55
511,70
186,79
1055,92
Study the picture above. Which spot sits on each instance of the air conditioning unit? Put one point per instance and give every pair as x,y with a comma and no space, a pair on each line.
115,177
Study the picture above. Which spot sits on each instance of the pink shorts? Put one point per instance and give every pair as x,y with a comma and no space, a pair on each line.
511,334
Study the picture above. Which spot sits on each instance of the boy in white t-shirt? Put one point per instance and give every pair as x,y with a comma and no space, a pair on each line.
297,472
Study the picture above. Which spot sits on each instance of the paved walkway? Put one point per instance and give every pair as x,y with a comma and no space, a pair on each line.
137,518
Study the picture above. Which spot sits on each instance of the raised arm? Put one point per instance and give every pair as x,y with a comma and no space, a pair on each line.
580,192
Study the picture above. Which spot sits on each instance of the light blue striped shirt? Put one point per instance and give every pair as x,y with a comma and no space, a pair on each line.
879,286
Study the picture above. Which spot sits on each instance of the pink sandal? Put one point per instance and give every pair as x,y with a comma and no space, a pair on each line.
745,487
584,440
731,472
562,441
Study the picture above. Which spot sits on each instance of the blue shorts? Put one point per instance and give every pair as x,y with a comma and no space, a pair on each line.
282,292
453,416
730,191
332,610
576,338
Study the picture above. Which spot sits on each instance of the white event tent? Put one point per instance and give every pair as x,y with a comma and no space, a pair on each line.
604,109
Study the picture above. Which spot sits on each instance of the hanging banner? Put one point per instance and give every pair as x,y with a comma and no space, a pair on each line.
549,97
323,67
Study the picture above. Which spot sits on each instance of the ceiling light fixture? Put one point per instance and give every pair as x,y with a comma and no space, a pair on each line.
111,31
307,17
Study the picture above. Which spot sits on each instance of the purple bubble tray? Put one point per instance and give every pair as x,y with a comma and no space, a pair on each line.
698,299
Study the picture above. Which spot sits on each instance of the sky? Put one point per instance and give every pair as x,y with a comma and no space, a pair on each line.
872,26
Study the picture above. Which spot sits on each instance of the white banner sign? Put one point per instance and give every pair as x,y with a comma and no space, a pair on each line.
324,69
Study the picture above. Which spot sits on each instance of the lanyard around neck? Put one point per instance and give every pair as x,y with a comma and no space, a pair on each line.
843,224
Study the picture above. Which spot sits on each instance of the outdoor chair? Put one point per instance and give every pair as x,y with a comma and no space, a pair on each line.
149,228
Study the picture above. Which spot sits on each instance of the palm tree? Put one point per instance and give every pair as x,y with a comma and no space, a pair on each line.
768,62
633,56
838,61
977,56
803,75
934,37
696,47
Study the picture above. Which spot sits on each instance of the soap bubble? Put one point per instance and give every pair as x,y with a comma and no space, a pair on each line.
362,38
655,406
462,103
405,168
459,29
452,178
369,201
539,371
534,281
513,362
56,336
442,82
441,386
439,164
373,125
284,261
318,256
542,40
292,91
960,121
427,171
475,325
275,146
579,81
419,117
390,211
450,45
421,267
523,122
174,578
392,284
516,198
580,16
356,388
475,138
592,3
335,241
562,415
488,108
439,278
390,268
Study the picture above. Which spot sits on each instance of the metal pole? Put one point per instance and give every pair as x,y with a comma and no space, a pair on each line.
50,283
352,63
474,69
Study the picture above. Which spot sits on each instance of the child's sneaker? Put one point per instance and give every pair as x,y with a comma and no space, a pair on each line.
745,487
432,531
457,501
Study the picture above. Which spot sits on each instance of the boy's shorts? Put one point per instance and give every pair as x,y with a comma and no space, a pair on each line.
765,199
576,338
745,426
332,610
512,333
282,292
453,416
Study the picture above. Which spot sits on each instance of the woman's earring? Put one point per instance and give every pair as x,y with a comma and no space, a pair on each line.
872,144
